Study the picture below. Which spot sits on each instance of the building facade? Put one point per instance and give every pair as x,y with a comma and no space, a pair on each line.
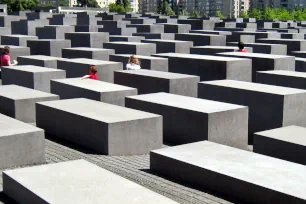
287,4
101,3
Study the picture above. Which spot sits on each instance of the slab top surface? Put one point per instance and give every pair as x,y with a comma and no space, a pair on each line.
300,59
10,126
158,74
292,134
200,57
279,90
62,183
257,55
268,172
87,49
217,47
199,34
18,92
14,47
170,41
93,85
128,43
99,111
32,68
20,36
88,61
283,40
285,73
140,56
184,102
41,57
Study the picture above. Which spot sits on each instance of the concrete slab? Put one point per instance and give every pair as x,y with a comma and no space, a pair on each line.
292,44
163,36
53,183
49,47
38,60
17,40
121,38
265,48
277,107
20,143
89,39
202,39
114,130
16,51
79,67
240,174
131,48
287,143
213,50
91,89
149,81
87,52
164,46
205,119
19,102
31,76
54,31
300,64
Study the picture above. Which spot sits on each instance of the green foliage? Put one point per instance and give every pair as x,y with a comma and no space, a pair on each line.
255,13
170,12
88,3
165,9
20,5
278,14
244,14
184,13
219,15
64,3
195,14
114,7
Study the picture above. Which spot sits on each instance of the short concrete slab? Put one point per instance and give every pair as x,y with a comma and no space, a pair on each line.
89,39
213,50
265,48
49,47
131,48
38,60
202,39
164,46
16,51
87,52
17,40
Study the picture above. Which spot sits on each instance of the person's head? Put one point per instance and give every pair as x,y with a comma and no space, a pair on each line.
93,70
134,60
6,50
240,45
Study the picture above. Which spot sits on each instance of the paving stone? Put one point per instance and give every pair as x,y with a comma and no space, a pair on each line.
89,39
264,62
287,143
238,173
91,89
80,67
19,102
38,60
31,76
49,47
165,46
17,40
146,62
87,52
54,31
215,116
115,130
21,143
149,81
277,107
202,39
131,48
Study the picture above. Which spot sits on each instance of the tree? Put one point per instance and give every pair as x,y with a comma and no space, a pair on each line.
255,13
170,12
184,13
64,3
219,15
244,14
20,5
195,14
88,3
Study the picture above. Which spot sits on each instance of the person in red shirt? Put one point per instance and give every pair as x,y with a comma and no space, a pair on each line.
92,73
241,47
6,58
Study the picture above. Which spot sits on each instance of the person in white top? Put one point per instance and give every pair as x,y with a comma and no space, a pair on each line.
133,63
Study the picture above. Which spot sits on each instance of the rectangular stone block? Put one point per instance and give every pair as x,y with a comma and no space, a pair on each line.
146,62
131,48
147,28
209,67
31,76
80,67
20,143
87,52
85,19
87,28
114,130
287,143
277,107
176,28
300,54
163,36
61,19
5,21
116,38
5,31
46,183
91,89
165,46
215,32
264,62
202,39
113,24
49,47
283,78
240,174
16,51
87,39
238,36
118,31
205,119
213,50
265,48
198,24
300,64
292,44
19,102
38,60
17,40
25,27
140,20
149,81
38,15
292,36
53,31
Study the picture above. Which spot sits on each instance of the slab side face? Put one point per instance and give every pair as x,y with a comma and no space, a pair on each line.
62,183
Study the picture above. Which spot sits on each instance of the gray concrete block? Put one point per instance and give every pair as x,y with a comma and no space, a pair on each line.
49,47
91,89
20,143
300,54
215,32
87,28
61,19
16,51
264,62
198,24
290,79
114,130
205,119
53,31
176,28
38,60
140,20
248,177
5,31
47,183
149,81
245,36
292,36
19,102
5,21
165,46
89,39
31,76
17,40
80,67
202,39
116,38
292,44
87,52
25,27
118,31
133,48
147,28
209,67
265,48
300,64
84,19
277,107
38,15
163,36
287,143
146,62
113,24
213,50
